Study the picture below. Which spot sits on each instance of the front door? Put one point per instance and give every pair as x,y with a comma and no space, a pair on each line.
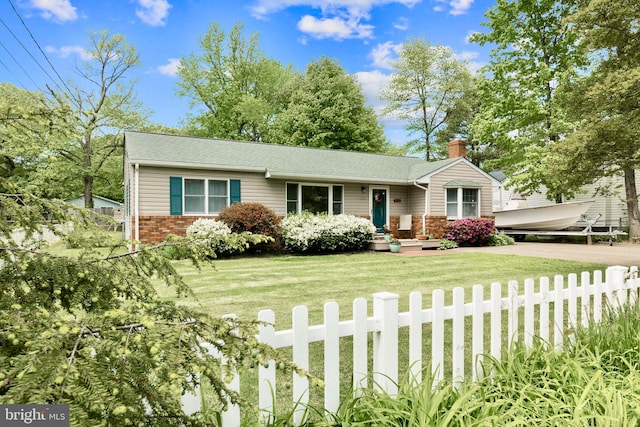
379,204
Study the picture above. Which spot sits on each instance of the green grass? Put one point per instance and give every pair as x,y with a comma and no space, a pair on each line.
246,285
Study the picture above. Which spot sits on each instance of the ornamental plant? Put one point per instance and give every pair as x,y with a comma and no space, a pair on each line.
254,218
220,239
470,231
322,233
91,331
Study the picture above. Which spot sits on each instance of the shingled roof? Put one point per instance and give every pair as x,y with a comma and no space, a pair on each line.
280,161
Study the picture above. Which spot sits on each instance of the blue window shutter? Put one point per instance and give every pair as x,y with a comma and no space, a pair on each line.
175,195
234,191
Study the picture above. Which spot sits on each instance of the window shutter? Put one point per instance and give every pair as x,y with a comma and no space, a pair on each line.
234,191
175,195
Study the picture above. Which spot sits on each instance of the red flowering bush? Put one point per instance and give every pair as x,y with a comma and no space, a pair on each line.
470,231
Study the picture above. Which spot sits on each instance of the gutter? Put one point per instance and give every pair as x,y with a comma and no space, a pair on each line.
136,201
426,205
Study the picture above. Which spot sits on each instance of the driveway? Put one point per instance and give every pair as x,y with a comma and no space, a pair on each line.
626,254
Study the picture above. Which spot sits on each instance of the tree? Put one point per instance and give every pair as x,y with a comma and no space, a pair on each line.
90,330
534,50
238,88
100,104
327,109
605,102
427,90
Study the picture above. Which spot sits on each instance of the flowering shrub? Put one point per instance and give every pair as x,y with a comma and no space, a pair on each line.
308,233
470,231
219,237
207,228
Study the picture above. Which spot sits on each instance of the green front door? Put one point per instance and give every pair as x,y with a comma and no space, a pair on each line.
379,207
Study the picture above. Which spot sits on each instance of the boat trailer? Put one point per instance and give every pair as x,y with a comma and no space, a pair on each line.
587,232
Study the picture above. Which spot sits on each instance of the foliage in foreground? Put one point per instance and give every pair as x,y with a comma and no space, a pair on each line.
308,233
91,331
596,381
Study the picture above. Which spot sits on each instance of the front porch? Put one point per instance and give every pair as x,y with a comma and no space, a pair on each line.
406,245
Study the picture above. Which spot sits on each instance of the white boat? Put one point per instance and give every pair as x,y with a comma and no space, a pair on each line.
543,218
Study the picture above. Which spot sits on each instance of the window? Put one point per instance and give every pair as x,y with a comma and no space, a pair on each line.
462,202
202,196
314,198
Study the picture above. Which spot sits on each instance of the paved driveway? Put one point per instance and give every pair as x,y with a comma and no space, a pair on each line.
626,254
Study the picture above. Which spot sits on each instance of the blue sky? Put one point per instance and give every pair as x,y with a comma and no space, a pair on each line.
362,35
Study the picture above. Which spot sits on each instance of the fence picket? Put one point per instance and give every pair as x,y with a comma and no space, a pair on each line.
477,344
300,327
266,375
512,312
529,312
437,336
558,312
385,342
620,285
544,310
415,335
331,357
360,345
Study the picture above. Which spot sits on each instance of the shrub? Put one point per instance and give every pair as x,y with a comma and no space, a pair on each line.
218,236
308,233
447,244
500,239
253,218
470,231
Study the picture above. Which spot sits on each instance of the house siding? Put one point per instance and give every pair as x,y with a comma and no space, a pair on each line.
460,171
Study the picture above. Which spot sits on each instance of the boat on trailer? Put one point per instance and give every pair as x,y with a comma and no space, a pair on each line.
541,218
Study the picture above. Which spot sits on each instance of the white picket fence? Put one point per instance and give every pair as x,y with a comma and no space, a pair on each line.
574,302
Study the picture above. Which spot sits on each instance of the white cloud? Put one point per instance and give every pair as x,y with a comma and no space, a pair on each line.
337,28
262,8
171,68
67,51
153,12
455,7
372,83
339,19
383,54
460,7
401,24
55,10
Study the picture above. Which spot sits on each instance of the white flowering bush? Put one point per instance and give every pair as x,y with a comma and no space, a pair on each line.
219,237
309,233
207,227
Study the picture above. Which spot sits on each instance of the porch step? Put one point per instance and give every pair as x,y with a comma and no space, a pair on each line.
406,245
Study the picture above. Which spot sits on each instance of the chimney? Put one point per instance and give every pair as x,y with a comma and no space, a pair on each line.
457,148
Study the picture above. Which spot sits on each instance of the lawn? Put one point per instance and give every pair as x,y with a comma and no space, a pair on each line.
246,285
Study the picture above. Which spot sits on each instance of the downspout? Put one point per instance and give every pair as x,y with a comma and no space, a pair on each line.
136,208
426,205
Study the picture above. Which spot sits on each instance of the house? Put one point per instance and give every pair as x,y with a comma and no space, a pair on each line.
98,202
170,181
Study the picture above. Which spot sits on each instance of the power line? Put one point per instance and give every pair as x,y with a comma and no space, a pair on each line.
21,67
39,48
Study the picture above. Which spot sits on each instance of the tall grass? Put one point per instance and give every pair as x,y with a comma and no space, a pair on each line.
595,382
